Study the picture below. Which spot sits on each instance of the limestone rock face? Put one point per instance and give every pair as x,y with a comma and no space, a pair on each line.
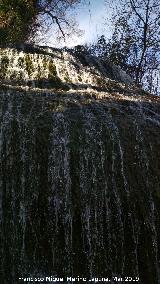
79,174
37,66
121,75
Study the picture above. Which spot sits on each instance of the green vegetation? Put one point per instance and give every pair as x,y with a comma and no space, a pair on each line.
39,75
20,62
44,63
17,77
53,80
100,82
79,78
52,69
4,67
29,64
67,78
21,19
17,20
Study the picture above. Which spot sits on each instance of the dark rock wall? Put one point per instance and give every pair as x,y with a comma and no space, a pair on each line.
80,186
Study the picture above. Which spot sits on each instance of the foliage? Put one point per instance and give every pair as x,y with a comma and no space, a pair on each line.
135,42
3,66
20,20
29,64
52,69
17,20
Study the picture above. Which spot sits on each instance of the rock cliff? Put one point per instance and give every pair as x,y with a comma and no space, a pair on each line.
80,170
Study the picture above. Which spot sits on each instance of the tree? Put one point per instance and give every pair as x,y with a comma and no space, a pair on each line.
17,20
135,42
148,25
21,19
56,12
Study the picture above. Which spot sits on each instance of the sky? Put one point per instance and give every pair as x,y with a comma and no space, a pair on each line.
91,19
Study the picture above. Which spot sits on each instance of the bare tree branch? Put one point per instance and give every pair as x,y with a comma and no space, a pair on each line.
54,18
135,10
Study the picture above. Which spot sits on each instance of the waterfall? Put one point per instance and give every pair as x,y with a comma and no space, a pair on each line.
80,186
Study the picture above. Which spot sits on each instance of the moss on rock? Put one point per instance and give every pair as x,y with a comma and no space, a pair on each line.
4,66
29,64
52,69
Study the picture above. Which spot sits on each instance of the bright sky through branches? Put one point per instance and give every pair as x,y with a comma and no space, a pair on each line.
91,18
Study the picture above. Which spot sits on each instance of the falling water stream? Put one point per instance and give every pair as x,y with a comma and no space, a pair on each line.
80,185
